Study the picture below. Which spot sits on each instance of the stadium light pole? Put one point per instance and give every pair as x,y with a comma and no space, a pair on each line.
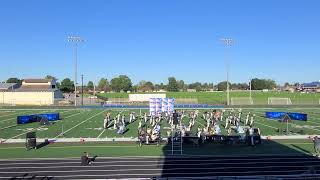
228,42
250,89
81,89
75,40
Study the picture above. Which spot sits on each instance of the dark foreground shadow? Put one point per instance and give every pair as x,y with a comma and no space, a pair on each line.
269,160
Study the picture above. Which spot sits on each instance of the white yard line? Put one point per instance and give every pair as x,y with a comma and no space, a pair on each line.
79,124
16,124
32,130
101,133
104,130
13,114
265,125
26,113
8,127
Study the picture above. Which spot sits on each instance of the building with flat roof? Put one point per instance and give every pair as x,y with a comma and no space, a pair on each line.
31,92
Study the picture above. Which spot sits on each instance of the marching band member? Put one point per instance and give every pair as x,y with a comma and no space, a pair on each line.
140,125
123,119
118,117
114,123
252,120
145,118
105,123
247,119
130,117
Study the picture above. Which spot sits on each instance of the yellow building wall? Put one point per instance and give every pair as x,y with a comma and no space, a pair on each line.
27,98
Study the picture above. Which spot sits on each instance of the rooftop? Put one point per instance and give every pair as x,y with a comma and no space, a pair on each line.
37,80
5,86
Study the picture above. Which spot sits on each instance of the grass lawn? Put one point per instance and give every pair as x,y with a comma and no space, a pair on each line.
220,97
74,150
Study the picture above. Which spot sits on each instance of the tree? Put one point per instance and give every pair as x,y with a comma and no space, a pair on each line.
181,85
121,83
67,85
197,86
144,86
102,85
90,85
286,84
172,85
222,86
14,80
51,77
240,86
260,84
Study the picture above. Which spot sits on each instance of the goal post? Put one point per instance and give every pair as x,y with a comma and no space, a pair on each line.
241,101
279,101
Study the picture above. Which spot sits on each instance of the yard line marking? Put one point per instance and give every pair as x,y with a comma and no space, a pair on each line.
13,113
25,113
313,122
16,124
79,124
265,125
101,133
105,129
305,127
30,131
8,127
17,114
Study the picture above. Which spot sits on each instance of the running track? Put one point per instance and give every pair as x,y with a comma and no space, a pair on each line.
152,167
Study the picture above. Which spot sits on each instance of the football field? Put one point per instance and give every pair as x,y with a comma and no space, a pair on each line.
88,123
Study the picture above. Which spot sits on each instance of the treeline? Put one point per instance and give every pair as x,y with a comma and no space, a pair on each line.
123,83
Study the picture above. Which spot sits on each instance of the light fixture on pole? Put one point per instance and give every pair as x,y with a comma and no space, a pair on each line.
75,40
227,42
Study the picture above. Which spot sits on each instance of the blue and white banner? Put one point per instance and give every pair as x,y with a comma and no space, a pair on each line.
159,105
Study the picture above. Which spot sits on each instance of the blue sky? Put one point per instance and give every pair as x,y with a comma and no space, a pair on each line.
152,40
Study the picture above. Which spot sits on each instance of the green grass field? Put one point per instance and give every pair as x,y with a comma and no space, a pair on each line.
88,123
259,98
75,150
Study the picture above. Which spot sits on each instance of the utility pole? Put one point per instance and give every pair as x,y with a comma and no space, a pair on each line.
228,42
75,40
81,89
250,89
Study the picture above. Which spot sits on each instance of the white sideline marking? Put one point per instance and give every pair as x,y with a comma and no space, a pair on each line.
79,124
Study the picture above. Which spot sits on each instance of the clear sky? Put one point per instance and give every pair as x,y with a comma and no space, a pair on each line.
154,39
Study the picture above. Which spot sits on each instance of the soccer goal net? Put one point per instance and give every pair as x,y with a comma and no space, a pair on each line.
241,101
279,101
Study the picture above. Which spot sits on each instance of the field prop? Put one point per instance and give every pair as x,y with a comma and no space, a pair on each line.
286,117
